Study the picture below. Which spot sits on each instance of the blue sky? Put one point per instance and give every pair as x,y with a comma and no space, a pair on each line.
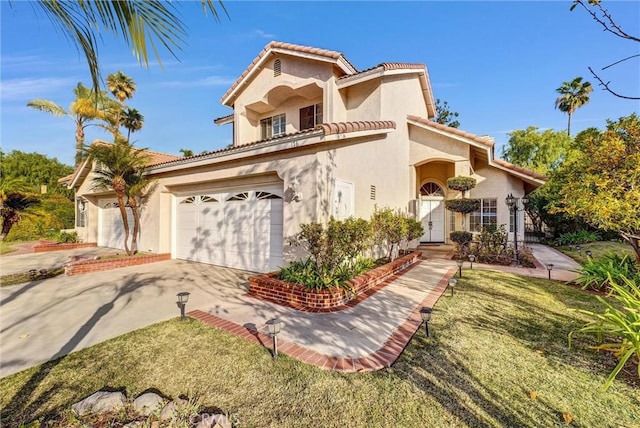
496,63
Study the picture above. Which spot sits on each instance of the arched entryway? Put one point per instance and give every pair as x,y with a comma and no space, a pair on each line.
432,212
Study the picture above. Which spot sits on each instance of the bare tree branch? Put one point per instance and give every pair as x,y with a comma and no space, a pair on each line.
606,87
607,21
622,60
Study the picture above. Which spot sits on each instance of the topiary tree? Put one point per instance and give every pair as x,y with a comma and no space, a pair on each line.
463,206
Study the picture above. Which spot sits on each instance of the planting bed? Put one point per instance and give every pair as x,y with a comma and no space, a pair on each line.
268,287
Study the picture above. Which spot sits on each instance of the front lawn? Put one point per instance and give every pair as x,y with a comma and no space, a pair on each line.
497,356
598,249
7,247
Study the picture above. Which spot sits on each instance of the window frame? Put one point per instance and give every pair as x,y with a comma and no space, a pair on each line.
273,126
312,115
486,215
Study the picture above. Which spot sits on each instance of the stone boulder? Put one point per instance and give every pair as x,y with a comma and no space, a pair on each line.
100,402
148,403
170,411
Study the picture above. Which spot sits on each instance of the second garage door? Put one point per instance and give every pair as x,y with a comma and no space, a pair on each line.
236,229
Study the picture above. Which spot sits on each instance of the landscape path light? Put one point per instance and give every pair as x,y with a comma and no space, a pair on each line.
32,273
452,285
459,262
588,253
549,268
472,259
425,313
274,326
579,248
183,298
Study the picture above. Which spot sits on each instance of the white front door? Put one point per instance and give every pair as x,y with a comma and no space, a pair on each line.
432,218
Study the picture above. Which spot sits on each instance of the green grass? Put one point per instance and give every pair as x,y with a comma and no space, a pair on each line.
500,338
7,247
20,278
598,249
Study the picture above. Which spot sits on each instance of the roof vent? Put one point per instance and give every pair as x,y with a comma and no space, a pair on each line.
277,68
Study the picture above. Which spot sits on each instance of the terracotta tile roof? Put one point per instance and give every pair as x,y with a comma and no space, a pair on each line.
154,158
222,119
520,169
389,66
346,127
482,140
324,129
288,46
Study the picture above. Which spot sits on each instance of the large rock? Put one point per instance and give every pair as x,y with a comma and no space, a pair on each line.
100,402
170,411
148,403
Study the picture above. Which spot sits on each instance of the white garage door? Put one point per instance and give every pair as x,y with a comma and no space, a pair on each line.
242,229
110,227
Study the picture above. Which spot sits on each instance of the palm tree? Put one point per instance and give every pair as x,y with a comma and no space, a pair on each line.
83,111
141,23
132,120
573,95
118,161
121,86
137,186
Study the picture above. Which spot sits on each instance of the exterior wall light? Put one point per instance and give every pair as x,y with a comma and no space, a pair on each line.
549,268
425,314
459,262
274,326
294,188
183,298
452,285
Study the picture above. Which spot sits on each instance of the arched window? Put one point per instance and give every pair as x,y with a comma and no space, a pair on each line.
431,189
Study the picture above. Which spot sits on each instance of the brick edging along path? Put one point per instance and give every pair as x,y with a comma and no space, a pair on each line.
389,352
43,248
86,266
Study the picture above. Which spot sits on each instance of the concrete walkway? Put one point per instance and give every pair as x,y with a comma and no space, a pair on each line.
43,320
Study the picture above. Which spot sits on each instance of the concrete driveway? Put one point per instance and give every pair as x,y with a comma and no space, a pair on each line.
43,320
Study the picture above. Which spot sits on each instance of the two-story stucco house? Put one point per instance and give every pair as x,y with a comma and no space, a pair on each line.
313,137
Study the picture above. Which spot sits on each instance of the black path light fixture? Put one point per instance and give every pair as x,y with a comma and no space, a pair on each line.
512,203
579,248
452,285
459,262
32,273
425,313
274,325
183,298
549,268
472,259
589,254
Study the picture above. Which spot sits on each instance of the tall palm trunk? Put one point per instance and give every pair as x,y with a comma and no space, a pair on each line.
133,204
79,144
569,124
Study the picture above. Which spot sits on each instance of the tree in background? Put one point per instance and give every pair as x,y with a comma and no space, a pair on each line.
573,95
84,111
539,151
186,152
600,179
132,120
444,115
35,170
140,23
609,24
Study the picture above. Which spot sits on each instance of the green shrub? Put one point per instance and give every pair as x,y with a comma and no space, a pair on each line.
491,246
67,237
389,230
598,273
461,238
464,206
580,237
461,183
617,327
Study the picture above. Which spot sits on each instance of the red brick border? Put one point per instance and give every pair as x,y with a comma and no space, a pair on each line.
390,351
86,266
43,248
267,287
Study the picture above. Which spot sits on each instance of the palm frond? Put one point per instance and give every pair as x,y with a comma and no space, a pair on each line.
47,107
